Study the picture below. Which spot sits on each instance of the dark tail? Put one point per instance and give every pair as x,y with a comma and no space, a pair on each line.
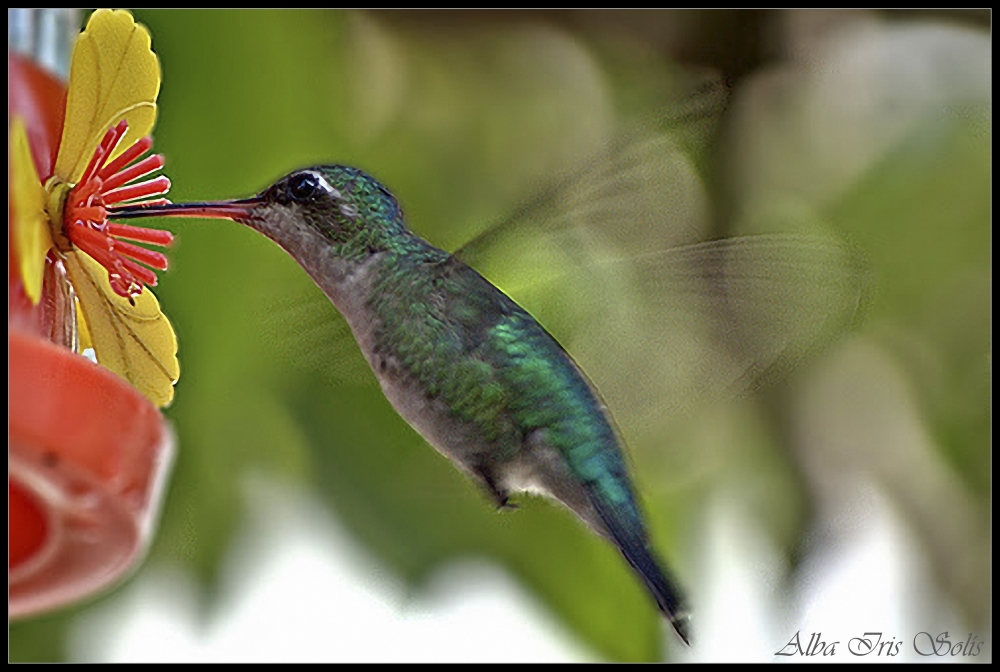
632,542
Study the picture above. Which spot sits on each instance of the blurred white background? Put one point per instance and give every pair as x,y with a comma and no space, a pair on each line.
297,589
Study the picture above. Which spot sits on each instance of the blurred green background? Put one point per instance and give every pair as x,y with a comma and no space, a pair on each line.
872,127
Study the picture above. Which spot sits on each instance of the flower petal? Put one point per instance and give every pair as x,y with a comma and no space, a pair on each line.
82,331
31,225
135,341
114,75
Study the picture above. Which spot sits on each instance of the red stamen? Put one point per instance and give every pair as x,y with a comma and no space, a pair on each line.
122,280
141,169
95,161
82,234
160,185
94,244
86,212
86,190
108,144
124,286
149,257
90,213
141,272
141,146
154,236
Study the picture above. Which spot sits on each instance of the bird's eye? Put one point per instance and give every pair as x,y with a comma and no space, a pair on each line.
305,186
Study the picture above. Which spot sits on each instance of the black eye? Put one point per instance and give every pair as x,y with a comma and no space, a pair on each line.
304,186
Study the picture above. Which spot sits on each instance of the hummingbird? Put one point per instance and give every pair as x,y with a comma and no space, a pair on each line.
469,369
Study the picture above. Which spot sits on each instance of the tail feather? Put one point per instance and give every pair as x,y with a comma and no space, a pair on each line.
630,537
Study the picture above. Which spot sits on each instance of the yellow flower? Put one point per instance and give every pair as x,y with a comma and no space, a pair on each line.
110,110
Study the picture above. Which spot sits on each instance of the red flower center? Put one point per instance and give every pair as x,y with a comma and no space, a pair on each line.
103,184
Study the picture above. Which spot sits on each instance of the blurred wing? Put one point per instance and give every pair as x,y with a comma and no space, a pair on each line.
647,183
613,263
307,333
713,319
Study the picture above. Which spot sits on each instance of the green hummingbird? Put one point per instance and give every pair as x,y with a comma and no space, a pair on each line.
470,370
488,386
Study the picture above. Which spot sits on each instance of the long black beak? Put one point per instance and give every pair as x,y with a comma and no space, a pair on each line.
240,210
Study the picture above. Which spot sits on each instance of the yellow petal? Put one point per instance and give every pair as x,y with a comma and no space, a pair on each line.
114,75
82,330
31,225
136,342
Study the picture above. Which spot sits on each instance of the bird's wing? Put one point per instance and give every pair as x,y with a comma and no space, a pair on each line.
617,263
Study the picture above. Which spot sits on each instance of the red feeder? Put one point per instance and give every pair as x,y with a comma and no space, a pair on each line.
87,458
